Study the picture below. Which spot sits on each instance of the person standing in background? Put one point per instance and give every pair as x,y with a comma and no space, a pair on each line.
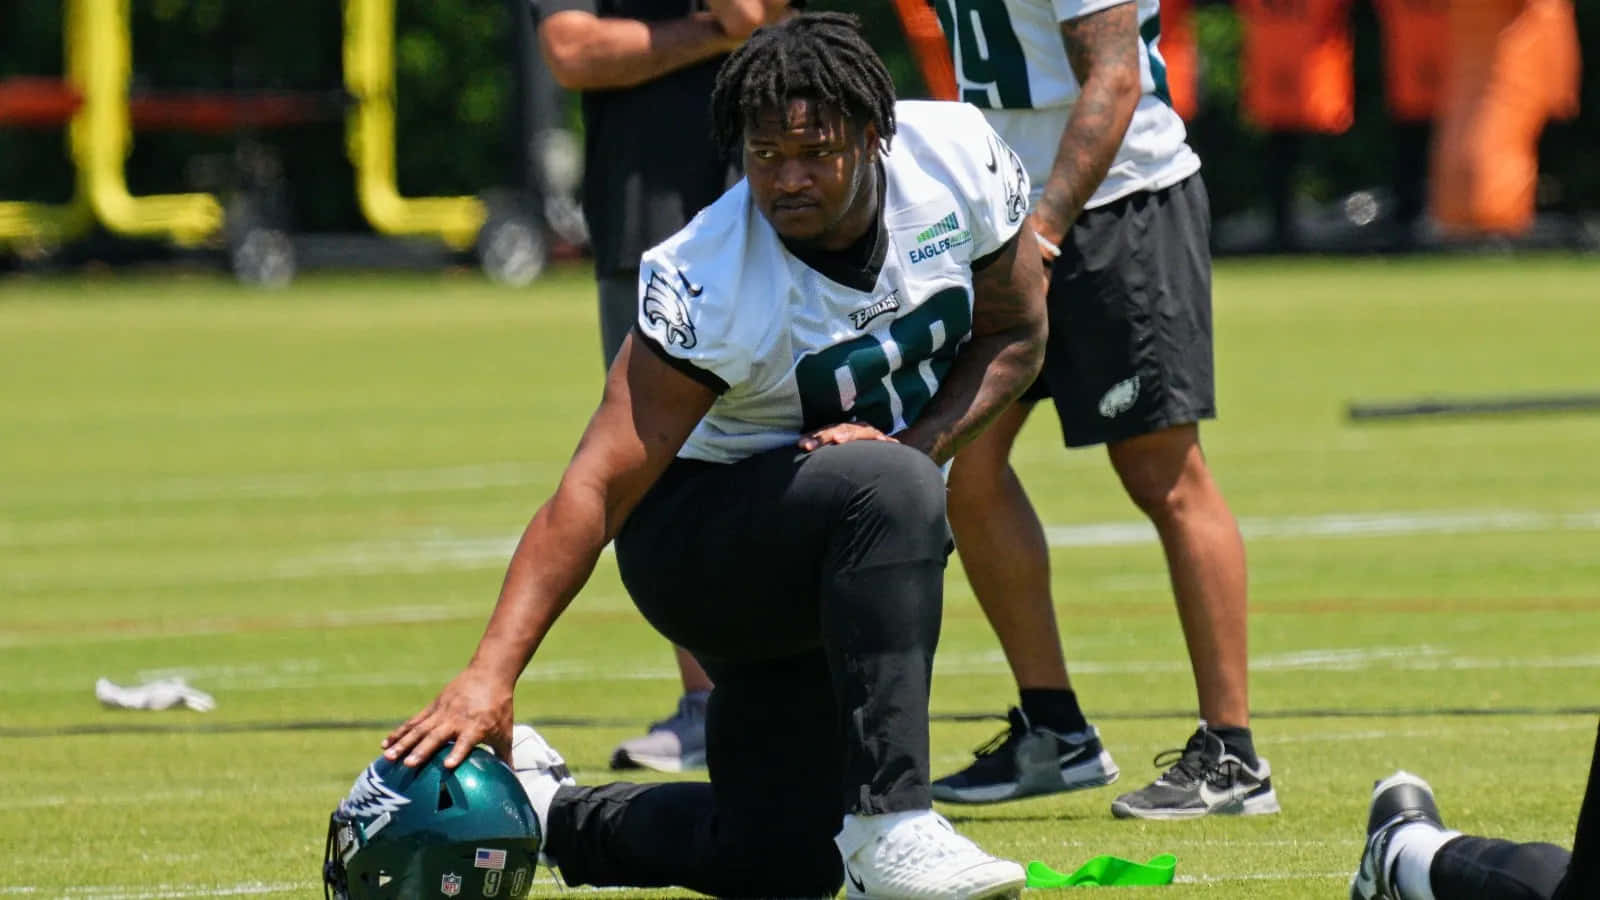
1297,65
645,68
1078,89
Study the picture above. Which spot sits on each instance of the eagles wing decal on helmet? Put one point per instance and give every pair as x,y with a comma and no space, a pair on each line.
664,308
369,797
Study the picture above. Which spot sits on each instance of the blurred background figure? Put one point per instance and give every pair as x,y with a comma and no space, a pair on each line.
1297,83
1182,55
1414,60
1514,66
1468,89
645,69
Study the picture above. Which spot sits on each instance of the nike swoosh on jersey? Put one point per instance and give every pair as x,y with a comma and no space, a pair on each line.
694,290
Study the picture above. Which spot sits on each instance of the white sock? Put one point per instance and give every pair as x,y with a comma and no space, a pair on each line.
541,791
1410,858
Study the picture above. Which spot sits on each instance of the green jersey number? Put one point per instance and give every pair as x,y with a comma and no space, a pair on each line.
988,52
885,382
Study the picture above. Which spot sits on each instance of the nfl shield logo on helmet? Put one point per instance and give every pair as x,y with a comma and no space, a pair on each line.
450,884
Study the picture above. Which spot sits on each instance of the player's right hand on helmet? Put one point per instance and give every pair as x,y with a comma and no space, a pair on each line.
474,708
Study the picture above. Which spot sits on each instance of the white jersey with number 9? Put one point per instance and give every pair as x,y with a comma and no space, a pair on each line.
1011,61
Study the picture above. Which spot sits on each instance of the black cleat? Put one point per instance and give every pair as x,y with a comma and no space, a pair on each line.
1400,799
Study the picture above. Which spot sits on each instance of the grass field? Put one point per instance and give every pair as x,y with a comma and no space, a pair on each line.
303,501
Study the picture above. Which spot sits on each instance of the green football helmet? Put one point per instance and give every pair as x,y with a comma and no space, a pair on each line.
429,832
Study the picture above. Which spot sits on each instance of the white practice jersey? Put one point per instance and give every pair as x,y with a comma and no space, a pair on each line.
790,349
1010,60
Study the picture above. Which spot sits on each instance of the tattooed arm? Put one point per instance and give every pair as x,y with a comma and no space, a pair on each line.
1103,48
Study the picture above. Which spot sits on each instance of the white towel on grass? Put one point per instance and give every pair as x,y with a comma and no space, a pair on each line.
165,693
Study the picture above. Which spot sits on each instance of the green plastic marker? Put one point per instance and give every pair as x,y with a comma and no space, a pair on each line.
1106,871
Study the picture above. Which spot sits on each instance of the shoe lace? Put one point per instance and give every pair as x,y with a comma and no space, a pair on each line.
1195,762
1016,730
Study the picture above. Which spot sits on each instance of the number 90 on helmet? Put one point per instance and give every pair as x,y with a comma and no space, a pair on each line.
430,832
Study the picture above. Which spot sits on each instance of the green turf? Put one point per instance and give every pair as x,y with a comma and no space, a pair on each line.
303,500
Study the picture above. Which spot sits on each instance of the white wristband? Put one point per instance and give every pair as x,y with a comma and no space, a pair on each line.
1045,243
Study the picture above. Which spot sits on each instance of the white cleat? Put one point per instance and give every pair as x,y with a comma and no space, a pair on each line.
917,855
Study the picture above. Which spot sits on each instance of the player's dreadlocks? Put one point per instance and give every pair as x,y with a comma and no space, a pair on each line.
820,56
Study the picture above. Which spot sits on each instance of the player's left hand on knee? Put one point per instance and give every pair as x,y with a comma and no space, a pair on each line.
843,433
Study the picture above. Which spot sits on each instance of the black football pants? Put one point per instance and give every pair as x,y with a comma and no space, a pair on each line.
1490,869
810,586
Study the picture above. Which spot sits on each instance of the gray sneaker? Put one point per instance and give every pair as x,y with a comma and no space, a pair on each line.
1026,760
673,744
1206,779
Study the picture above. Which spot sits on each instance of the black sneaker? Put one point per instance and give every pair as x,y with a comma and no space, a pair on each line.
1026,760
1205,779
1400,799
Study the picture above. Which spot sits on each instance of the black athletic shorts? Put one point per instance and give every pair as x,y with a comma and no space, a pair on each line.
1130,318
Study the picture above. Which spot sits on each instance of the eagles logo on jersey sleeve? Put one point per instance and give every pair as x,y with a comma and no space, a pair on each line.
664,308
1014,176
690,285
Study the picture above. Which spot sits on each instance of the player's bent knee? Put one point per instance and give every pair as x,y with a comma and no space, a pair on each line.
890,479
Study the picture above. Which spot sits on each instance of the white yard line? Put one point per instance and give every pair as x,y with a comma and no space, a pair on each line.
1343,659
174,892
1518,725
298,485
435,552
314,674
160,891
451,553
185,796
444,553
1376,524
1260,876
